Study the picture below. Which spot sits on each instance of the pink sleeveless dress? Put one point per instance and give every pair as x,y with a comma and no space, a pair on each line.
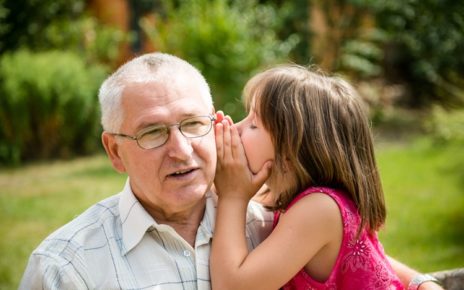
361,263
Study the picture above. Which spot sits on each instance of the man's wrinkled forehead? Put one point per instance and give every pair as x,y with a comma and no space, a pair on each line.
184,81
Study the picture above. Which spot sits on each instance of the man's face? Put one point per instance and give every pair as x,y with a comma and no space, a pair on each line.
174,177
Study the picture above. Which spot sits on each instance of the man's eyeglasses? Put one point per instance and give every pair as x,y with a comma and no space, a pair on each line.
157,135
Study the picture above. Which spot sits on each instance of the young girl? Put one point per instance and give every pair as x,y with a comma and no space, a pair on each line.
308,139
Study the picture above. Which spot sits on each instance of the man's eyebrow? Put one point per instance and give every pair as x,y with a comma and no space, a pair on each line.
145,125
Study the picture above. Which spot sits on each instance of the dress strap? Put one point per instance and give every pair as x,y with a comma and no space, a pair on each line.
308,191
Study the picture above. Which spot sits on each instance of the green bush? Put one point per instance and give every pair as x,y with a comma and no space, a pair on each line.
58,25
362,56
447,126
96,42
48,105
226,40
24,23
427,39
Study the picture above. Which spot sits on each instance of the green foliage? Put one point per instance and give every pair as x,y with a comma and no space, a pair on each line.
23,22
96,42
48,105
48,99
362,56
226,40
447,126
429,41
57,24
294,21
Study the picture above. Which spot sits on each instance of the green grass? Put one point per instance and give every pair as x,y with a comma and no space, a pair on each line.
424,187
424,190
37,199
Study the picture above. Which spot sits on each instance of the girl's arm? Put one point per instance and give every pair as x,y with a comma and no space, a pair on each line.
300,234
406,274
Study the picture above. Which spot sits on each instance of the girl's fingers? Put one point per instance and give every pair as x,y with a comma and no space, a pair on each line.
229,120
223,126
227,150
219,135
263,174
237,147
219,117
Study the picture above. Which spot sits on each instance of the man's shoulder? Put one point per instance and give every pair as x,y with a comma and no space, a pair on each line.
86,230
258,224
74,254
257,212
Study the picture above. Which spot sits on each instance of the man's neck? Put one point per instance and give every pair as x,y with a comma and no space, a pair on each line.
185,224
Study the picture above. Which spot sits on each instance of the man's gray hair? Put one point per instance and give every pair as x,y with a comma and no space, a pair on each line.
152,67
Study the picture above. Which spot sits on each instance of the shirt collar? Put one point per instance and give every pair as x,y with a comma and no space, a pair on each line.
206,229
136,220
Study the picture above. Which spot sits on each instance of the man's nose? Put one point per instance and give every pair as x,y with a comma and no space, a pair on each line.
179,146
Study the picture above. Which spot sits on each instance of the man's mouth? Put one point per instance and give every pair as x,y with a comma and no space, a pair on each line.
182,172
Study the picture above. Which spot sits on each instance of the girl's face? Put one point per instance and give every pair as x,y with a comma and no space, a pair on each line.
256,141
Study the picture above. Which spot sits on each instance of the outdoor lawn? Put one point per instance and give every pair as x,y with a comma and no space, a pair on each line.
424,187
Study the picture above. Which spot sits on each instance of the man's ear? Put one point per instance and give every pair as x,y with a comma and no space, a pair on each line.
112,150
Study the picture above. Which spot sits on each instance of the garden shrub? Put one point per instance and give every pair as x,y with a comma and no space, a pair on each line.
226,40
426,41
48,105
58,25
447,126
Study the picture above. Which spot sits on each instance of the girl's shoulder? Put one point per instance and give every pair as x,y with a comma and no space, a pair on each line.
344,204
340,196
336,203
314,204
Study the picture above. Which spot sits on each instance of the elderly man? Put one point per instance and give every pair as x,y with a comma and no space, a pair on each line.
157,116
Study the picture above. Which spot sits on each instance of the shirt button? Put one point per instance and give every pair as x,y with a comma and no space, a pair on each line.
187,253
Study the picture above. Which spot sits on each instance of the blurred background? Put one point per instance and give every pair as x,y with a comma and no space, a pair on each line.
406,57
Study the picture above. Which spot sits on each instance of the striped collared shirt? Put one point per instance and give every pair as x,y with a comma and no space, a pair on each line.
116,244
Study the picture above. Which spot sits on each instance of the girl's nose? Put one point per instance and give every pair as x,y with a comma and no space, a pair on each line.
239,126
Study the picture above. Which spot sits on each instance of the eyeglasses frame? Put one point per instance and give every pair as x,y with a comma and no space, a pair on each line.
138,135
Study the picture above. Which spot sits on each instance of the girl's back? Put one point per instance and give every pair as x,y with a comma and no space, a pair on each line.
361,262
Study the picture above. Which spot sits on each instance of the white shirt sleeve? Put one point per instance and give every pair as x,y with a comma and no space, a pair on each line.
48,271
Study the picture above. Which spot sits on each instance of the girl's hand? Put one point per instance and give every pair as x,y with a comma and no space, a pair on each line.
233,177
219,117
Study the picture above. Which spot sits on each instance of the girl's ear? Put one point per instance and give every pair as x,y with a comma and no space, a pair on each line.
112,150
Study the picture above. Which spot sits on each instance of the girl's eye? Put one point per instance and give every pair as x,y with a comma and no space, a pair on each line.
253,126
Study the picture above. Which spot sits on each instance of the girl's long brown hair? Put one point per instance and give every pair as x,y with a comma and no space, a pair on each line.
321,133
